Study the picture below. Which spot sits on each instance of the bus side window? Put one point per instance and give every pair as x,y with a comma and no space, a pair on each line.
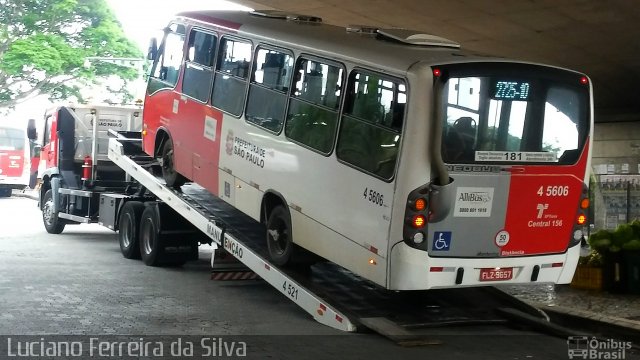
371,125
198,72
232,75
268,89
314,104
46,134
11,139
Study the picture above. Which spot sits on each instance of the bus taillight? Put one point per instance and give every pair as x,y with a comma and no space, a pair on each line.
582,219
580,225
419,221
584,204
417,218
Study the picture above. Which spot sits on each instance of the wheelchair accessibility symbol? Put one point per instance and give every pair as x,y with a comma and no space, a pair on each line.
441,241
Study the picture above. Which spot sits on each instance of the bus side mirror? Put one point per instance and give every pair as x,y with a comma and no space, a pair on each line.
152,53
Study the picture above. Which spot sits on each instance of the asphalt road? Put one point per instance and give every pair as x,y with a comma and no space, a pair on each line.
78,283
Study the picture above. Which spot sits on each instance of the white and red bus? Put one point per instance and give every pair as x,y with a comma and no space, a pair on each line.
15,159
392,153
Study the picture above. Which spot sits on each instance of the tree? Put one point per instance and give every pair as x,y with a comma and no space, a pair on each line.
44,45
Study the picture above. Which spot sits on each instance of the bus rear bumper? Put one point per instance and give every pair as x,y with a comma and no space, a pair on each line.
14,183
415,270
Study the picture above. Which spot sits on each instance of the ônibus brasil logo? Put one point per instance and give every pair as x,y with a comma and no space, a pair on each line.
583,347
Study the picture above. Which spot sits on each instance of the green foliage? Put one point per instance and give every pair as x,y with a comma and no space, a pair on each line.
44,44
622,234
633,245
625,237
600,240
594,259
47,53
635,225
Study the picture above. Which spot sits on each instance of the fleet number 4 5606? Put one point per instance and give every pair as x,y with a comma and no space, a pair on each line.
553,191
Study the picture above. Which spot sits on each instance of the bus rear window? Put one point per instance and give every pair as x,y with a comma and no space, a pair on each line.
532,115
11,139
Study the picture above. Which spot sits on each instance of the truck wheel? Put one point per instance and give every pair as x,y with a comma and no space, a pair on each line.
52,223
169,173
128,233
279,241
150,237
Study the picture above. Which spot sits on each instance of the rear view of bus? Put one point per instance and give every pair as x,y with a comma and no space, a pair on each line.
14,160
507,201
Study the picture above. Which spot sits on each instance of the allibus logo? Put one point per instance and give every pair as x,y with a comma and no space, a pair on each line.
583,347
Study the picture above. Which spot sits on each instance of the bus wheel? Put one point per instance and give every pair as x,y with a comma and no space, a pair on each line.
169,173
5,192
128,233
52,223
279,241
150,237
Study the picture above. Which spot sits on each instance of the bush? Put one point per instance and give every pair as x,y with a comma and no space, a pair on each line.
600,241
625,237
635,225
632,245
622,235
594,259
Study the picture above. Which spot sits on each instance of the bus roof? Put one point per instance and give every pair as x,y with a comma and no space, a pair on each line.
9,124
329,40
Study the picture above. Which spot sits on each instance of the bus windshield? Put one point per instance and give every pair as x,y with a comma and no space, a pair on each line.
524,116
11,139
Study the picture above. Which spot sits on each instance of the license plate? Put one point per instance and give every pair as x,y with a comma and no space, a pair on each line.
493,274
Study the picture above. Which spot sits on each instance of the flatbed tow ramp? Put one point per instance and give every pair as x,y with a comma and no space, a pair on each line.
330,294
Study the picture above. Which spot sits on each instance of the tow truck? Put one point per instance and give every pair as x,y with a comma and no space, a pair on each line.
98,174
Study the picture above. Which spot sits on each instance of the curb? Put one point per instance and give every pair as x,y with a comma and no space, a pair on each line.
598,324
23,194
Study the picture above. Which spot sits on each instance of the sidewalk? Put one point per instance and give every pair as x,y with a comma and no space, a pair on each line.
28,193
620,310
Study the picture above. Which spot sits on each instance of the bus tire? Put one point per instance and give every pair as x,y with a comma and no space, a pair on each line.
150,247
279,240
128,232
52,223
5,192
169,173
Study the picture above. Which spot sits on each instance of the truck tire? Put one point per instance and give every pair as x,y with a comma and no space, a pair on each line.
52,223
169,173
128,229
279,240
150,237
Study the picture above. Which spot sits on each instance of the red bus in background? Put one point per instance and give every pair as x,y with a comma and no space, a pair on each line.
15,159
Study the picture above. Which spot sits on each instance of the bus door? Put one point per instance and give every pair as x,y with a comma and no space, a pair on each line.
164,105
516,149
